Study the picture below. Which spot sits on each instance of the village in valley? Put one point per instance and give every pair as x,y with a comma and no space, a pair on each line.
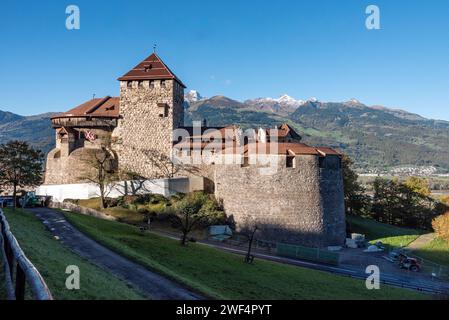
157,193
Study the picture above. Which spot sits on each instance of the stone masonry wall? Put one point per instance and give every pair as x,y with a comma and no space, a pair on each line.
332,194
68,165
142,128
287,206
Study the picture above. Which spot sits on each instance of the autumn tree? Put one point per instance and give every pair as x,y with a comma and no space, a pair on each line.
418,185
405,204
20,166
441,226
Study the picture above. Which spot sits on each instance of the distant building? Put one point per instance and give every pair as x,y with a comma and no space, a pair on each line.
300,201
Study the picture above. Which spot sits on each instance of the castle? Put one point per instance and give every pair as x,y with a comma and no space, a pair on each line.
293,192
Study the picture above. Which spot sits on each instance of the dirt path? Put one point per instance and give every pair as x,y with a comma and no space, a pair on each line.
421,241
150,283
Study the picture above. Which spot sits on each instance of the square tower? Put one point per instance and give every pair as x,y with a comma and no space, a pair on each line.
151,107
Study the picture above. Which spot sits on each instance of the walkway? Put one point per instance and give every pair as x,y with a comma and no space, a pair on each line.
421,241
150,283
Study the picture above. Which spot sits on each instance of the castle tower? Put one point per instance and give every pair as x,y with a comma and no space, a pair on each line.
151,107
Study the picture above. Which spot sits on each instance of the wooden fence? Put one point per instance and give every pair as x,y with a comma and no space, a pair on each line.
19,271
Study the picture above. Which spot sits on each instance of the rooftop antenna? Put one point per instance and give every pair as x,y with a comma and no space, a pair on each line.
93,96
154,48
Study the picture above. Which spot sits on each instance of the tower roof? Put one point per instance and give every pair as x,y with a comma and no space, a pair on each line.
152,68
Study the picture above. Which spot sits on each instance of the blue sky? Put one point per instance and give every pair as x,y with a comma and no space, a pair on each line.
238,48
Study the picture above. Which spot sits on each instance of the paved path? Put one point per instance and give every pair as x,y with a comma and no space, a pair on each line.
150,283
421,241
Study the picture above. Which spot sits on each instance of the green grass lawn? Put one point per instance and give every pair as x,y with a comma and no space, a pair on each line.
389,235
51,259
436,251
224,275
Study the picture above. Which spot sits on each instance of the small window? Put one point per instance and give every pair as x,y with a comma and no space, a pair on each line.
245,163
140,84
147,67
162,83
163,110
291,162
130,84
151,84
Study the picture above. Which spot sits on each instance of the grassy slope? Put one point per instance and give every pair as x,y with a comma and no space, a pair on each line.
223,275
51,259
436,251
129,216
388,234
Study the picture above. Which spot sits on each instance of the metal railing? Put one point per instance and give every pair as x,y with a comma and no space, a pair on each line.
288,250
19,271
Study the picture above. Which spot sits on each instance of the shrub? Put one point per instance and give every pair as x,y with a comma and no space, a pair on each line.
74,201
111,202
441,226
143,211
157,199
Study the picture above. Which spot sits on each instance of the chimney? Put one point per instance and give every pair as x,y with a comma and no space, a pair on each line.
262,135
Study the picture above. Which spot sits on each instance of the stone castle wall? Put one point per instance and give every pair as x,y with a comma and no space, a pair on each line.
145,125
70,161
302,205
332,194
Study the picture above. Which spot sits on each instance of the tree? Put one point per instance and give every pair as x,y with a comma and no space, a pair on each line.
418,185
100,170
355,198
404,204
441,226
196,208
20,166
167,166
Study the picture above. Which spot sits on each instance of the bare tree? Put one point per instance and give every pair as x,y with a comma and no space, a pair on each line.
100,170
166,166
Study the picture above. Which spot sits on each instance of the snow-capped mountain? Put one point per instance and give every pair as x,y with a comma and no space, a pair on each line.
284,104
193,96
284,100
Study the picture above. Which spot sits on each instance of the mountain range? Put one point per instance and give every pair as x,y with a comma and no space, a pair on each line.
376,137
37,130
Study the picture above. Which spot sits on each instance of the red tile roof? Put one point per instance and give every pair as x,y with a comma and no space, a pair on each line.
152,68
107,107
283,131
276,148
